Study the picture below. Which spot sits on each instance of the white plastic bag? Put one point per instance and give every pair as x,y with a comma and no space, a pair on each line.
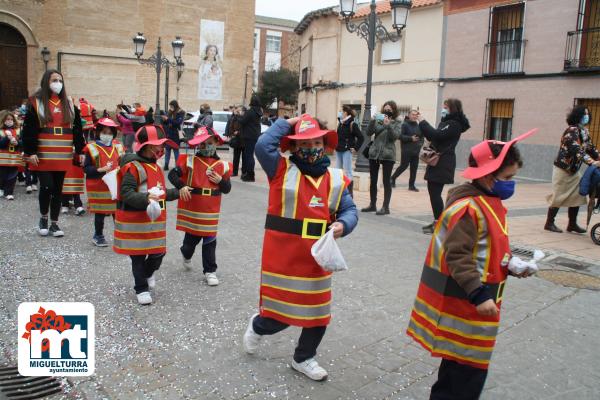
153,210
327,254
110,178
519,266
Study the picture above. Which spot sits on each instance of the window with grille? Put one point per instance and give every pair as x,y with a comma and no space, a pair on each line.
304,77
593,106
504,50
273,43
499,119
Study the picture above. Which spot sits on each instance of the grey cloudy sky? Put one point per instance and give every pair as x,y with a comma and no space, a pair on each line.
290,9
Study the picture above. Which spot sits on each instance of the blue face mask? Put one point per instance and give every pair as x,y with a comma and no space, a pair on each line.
504,189
340,115
585,119
444,112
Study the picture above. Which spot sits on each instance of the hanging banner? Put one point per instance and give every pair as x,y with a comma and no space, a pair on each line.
210,73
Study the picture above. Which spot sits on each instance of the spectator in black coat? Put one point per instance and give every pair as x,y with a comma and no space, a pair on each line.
443,140
232,131
412,141
250,124
172,125
350,139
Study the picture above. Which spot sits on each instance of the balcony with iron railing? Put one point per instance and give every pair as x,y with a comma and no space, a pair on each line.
582,51
503,58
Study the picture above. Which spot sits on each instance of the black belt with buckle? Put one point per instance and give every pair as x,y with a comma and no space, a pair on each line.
447,286
307,228
206,191
57,130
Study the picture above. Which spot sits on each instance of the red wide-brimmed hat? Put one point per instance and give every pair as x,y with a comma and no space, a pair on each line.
107,122
202,134
308,128
151,134
485,159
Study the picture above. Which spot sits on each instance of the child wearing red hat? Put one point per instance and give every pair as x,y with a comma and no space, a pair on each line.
201,178
137,235
457,309
101,156
305,199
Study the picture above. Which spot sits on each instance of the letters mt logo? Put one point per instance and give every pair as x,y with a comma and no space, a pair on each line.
56,339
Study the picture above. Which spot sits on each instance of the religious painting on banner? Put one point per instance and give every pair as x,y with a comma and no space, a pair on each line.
210,74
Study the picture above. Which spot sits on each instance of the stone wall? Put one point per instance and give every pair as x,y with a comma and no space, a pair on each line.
105,28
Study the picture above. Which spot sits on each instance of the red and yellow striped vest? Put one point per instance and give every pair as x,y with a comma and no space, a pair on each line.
443,320
11,155
294,288
200,216
99,198
55,140
135,232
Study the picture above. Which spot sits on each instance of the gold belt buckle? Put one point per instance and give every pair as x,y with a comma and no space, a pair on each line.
11,148
161,202
57,130
500,291
305,224
206,191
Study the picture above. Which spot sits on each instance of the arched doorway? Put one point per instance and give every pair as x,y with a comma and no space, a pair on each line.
13,64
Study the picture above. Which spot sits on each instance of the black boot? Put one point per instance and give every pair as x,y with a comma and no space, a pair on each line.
550,226
351,189
383,211
573,227
393,182
428,229
371,208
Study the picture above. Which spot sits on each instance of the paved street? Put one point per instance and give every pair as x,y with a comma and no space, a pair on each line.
188,344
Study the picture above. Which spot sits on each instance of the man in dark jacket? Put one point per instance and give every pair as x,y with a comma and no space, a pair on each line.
350,139
205,118
412,141
250,124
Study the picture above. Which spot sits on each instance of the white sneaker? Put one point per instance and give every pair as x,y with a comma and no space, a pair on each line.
144,298
28,189
80,211
251,339
64,210
152,282
211,279
34,187
187,263
10,197
310,368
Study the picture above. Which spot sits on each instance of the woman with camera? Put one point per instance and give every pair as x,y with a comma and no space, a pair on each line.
384,131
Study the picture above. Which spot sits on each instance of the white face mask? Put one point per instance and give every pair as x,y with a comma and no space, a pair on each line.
9,123
106,139
56,87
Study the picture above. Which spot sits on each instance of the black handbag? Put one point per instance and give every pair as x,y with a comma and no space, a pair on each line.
365,151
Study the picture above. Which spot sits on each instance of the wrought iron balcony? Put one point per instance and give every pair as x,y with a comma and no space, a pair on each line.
582,52
503,58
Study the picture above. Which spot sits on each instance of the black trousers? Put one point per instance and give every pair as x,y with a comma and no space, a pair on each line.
51,185
209,249
143,267
435,198
387,167
31,177
248,158
310,338
66,198
458,382
8,179
237,156
407,160
99,223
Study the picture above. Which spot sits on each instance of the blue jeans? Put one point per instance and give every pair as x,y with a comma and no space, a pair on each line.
168,150
343,160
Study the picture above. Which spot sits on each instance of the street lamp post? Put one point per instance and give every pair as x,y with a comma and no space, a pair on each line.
158,61
370,29
180,67
246,84
45,57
